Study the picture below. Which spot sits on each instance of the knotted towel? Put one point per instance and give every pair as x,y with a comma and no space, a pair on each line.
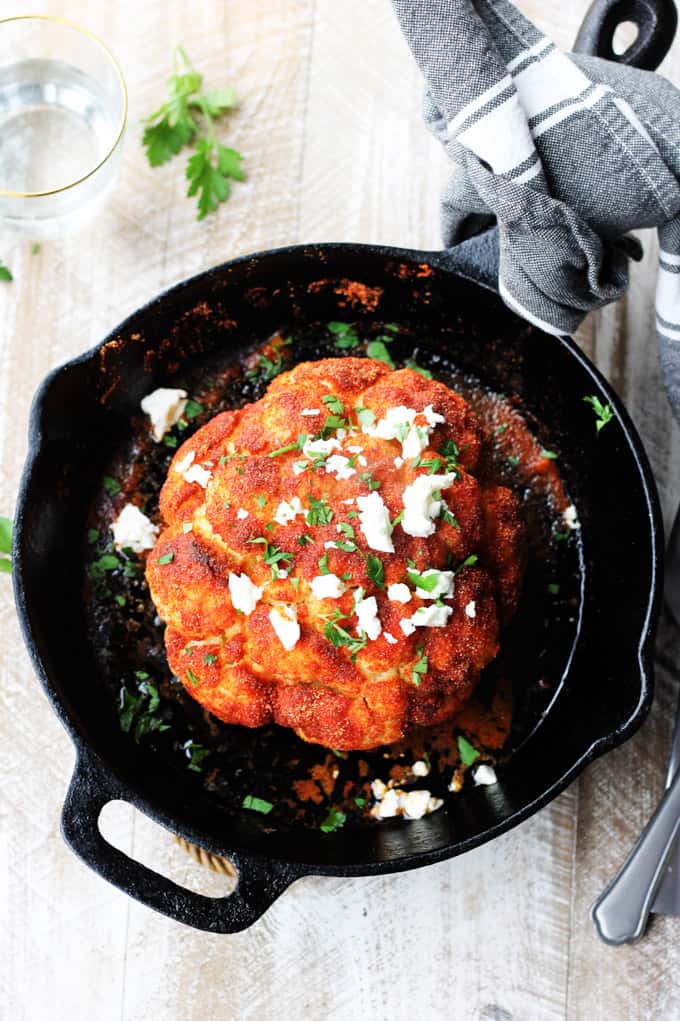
567,152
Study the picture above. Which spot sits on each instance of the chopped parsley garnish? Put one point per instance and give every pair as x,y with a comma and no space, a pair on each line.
121,600
345,335
500,429
468,562
167,558
334,404
304,539
554,589
187,118
5,273
92,534
365,416
193,409
254,804
323,564
209,659
192,677
136,712
268,368
427,583
450,453
111,485
273,556
333,821
195,753
468,753
411,363
106,562
320,512
298,445
375,570
603,412
448,517
370,481
360,802
550,455
419,667
260,500
399,518
338,636
514,460
561,536
170,441
378,351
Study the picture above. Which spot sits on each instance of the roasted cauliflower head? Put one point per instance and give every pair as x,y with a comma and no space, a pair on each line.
329,560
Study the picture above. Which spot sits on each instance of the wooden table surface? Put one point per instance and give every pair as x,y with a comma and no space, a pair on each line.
335,150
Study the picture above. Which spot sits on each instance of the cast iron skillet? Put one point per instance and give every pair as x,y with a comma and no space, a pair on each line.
79,415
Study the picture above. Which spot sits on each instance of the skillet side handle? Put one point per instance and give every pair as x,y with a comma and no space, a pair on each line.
258,885
656,22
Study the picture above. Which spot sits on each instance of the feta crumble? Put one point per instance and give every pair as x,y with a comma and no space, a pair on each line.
443,588
399,593
367,615
420,768
338,465
394,801
570,518
242,514
327,586
420,506
320,448
132,529
287,512
310,412
244,594
164,407
471,609
399,423
431,616
187,460
485,776
283,619
374,522
198,474
390,639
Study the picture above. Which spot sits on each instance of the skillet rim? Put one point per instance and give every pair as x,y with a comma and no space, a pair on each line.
109,775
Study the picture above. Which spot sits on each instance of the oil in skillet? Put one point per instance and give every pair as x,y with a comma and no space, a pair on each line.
300,780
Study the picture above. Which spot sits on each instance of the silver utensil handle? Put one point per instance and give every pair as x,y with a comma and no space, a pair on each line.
621,913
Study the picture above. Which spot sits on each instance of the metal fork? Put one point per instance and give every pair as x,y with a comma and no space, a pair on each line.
649,880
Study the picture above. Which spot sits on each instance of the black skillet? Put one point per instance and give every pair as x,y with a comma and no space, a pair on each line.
83,411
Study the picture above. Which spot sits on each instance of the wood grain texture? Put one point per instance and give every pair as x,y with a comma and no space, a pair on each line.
330,125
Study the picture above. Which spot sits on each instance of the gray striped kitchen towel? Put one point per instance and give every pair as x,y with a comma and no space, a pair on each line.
566,152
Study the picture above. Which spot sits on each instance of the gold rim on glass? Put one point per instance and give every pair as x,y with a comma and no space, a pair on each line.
123,88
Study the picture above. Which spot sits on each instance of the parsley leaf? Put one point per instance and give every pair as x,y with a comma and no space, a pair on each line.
378,351
167,558
334,404
6,535
193,409
195,753
333,821
111,485
320,512
468,753
5,273
186,118
419,668
375,570
427,583
254,804
603,412
411,363
345,335
339,637
365,416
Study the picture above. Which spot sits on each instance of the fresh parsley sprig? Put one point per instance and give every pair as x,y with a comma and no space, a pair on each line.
188,118
6,545
5,273
603,412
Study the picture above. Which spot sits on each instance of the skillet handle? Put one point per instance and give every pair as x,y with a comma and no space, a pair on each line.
258,885
656,22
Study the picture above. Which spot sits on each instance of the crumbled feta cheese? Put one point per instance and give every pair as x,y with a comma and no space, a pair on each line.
420,768
182,465
341,433
398,593
327,586
299,467
374,521
570,518
399,423
164,407
387,807
390,639
420,508
416,804
407,626
339,466
133,530
329,544
379,789
320,448
485,776
355,450
471,609
310,412
287,512
431,616
399,462
367,615
362,461
282,574
197,473
283,619
244,594
443,588
242,514
348,503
